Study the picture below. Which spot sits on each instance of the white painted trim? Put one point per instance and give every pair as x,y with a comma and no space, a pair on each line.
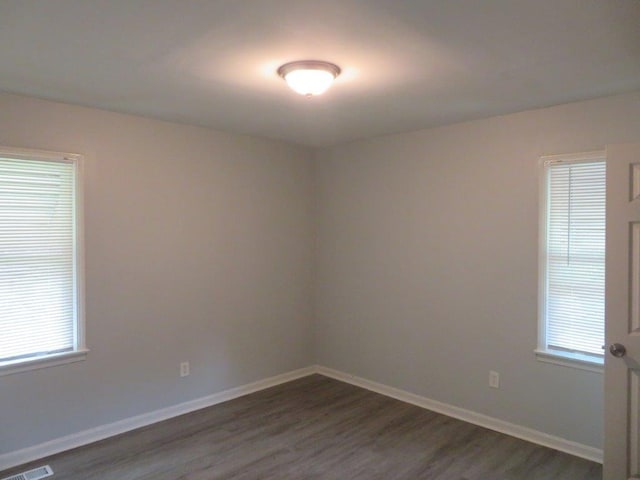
78,253
543,206
570,359
19,457
34,363
542,353
80,349
518,431
592,156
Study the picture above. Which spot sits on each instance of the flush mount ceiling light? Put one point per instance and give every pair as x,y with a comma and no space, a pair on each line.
309,77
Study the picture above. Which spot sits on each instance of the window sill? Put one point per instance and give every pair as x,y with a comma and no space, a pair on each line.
17,366
573,360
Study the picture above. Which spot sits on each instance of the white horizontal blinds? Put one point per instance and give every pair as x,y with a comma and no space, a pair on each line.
575,256
36,257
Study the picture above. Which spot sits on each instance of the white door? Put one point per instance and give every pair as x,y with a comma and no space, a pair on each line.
622,372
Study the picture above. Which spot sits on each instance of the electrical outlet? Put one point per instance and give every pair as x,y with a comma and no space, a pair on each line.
494,379
184,369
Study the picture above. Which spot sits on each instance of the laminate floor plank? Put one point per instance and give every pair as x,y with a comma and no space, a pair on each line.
315,428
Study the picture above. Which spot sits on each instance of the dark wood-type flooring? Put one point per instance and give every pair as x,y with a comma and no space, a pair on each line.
315,428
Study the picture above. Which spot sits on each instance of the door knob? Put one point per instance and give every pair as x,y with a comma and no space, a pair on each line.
617,350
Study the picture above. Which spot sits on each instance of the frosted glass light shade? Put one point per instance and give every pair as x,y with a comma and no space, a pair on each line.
309,82
308,77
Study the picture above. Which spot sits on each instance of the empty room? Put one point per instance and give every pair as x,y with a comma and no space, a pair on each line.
337,239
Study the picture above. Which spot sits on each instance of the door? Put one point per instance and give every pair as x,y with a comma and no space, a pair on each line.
622,370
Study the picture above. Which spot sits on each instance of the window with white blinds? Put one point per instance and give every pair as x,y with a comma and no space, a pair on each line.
574,257
40,316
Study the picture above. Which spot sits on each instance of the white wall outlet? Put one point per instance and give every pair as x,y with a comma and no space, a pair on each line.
184,369
494,379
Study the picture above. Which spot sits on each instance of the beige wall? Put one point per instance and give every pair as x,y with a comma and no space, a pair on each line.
198,248
427,262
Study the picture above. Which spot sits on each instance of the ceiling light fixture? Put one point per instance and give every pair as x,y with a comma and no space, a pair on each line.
309,77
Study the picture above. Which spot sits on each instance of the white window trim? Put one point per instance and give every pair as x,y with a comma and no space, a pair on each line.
542,353
34,363
80,348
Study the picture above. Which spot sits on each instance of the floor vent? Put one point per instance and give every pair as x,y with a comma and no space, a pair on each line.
35,474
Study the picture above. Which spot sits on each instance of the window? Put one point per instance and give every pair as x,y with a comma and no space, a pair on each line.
41,313
572,258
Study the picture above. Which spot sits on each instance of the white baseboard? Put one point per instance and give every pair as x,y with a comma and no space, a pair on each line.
524,433
19,457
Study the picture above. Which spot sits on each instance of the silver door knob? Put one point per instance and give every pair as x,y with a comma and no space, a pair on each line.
617,350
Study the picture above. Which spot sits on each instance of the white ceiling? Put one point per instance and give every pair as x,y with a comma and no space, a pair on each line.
407,64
